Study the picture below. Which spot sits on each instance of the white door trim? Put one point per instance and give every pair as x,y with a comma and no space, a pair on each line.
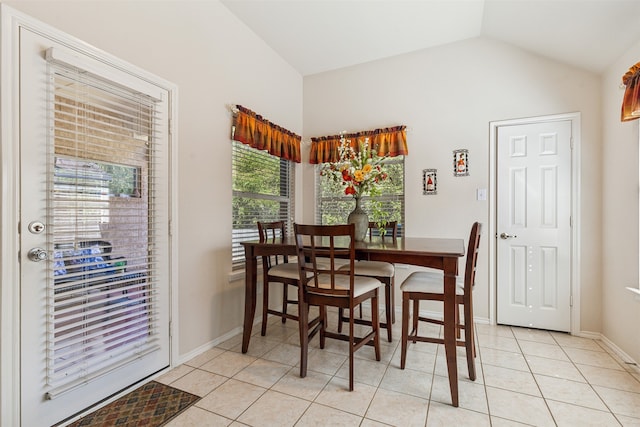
11,21
575,210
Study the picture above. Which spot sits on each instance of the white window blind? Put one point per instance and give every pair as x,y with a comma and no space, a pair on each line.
263,190
101,229
333,206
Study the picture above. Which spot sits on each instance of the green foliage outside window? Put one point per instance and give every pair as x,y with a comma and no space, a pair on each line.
262,191
124,179
334,206
258,187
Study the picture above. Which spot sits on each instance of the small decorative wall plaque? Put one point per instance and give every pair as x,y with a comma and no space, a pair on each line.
461,162
429,181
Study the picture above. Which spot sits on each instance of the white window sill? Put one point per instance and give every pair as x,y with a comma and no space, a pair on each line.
236,275
635,291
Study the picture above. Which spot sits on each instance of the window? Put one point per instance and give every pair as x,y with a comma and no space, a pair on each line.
106,229
333,206
263,190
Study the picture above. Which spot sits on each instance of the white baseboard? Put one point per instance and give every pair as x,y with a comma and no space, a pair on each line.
207,346
588,334
628,360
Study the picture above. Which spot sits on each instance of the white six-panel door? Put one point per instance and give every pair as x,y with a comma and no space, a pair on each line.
534,225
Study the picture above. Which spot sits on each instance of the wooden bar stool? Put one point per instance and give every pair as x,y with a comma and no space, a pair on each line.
427,286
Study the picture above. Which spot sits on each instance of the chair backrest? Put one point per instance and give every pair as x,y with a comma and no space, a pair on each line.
472,257
271,232
318,247
390,228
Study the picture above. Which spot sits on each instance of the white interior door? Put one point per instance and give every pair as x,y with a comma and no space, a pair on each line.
94,244
534,225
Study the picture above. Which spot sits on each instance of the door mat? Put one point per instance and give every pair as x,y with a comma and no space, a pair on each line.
150,405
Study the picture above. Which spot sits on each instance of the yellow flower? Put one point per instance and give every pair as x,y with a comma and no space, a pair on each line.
359,171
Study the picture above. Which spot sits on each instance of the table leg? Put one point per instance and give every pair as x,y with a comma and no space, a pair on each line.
450,270
250,279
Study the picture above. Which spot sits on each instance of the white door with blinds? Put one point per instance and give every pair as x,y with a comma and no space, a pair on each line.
94,230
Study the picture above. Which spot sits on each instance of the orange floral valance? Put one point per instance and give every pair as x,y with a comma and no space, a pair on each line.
631,99
255,131
387,142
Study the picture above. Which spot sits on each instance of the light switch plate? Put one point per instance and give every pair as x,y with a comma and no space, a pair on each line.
481,194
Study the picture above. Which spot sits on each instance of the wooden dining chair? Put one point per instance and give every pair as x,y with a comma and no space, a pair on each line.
428,286
383,271
276,269
319,248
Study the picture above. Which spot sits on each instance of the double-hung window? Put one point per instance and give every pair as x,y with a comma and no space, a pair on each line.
333,206
263,190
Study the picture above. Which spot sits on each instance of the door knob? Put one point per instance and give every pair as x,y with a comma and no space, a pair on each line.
37,254
506,236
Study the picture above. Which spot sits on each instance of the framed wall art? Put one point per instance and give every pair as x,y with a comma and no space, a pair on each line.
429,181
461,162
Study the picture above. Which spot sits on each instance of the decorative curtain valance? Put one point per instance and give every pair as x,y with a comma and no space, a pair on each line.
252,129
387,142
631,99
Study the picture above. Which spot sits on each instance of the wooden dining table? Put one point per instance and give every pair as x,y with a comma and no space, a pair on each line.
438,253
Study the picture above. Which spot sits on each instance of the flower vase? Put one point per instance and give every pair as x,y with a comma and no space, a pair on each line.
360,219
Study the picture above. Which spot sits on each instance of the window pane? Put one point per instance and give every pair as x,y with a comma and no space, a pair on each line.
262,191
333,206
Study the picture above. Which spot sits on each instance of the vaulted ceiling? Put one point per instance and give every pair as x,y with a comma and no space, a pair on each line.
321,35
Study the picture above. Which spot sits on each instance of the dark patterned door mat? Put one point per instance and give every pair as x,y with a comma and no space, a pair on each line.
150,405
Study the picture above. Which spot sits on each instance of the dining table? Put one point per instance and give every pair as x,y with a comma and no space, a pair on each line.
438,253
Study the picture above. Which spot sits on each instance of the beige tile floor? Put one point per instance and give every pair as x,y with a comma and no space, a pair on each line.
525,378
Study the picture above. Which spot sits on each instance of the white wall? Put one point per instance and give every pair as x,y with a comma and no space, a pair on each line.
621,311
447,96
214,60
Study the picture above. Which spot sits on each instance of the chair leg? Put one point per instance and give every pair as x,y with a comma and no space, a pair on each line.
285,298
388,290
323,324
458,321
416,315
405,329
303,328
469,338
340,316
393,299
375,323
265,306
351,348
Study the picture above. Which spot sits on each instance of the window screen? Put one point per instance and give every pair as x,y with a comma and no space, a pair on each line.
103,233
263,189
333,206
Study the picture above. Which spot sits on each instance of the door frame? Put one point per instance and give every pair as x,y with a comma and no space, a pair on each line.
574,118
11,22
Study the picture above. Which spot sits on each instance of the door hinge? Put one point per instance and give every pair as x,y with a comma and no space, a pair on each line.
571,143
170,126
170,225
170,329
570,221
571,301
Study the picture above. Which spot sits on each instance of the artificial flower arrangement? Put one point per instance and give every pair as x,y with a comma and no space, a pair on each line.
359,171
